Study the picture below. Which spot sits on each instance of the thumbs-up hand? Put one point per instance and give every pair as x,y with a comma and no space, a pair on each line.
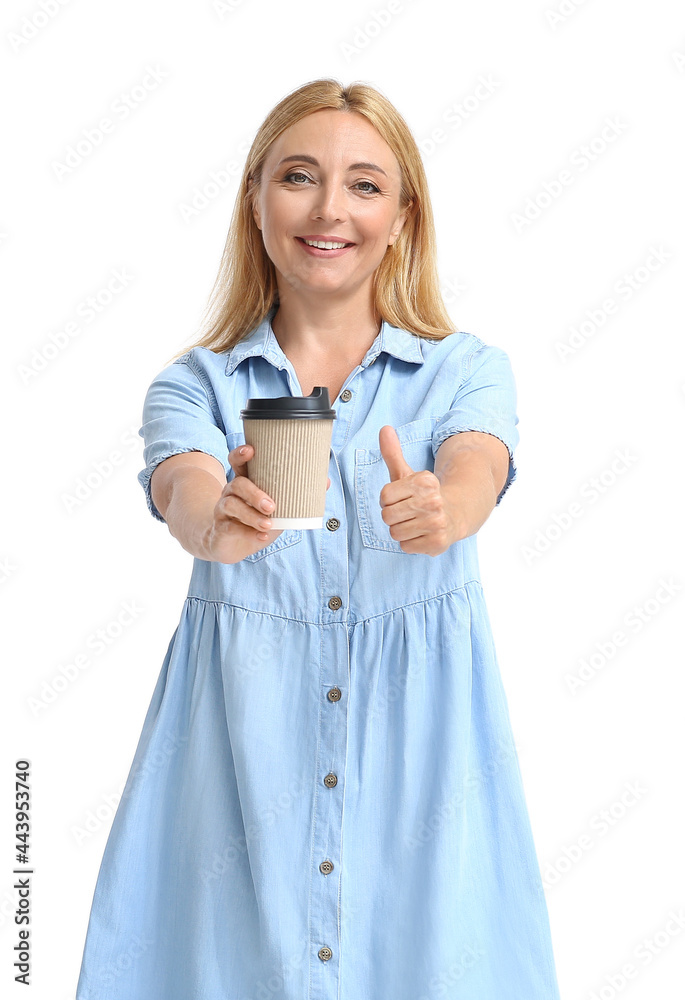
412,503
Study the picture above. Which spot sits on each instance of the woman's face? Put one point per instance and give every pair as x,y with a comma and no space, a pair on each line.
342,182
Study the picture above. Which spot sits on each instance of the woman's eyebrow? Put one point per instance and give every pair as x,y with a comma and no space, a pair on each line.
310,159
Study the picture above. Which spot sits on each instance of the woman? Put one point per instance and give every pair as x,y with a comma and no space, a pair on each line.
325,801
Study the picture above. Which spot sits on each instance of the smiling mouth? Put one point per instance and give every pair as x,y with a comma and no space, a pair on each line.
325,249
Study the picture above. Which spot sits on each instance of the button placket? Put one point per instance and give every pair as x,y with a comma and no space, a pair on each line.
326,867
325,888
335,602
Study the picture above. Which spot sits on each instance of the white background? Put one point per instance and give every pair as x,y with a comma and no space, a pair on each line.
556,594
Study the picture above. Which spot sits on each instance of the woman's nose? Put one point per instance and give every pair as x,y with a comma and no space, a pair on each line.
330,201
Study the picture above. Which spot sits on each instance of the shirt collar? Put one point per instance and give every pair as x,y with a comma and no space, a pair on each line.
262,342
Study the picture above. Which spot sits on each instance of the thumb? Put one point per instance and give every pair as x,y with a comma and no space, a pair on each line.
391,450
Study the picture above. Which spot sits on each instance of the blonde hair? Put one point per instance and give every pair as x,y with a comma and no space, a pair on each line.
405,283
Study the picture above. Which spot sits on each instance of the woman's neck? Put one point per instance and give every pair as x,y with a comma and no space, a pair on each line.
335,332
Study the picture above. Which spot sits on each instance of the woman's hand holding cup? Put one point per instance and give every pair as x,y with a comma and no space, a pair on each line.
241,526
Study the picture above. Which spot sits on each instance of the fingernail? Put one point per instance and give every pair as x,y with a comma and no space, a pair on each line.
266,505
243,450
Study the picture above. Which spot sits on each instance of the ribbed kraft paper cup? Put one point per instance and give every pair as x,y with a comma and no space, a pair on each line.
291,437
291,459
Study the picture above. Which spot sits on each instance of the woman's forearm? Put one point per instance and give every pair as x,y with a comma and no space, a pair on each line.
192,496
470,493
469,483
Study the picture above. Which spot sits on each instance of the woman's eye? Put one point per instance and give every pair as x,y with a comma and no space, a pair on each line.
371,184
298,173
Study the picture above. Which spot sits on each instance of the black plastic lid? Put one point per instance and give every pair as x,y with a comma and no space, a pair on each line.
316,405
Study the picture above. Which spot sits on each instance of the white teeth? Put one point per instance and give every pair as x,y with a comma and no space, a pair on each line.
325,246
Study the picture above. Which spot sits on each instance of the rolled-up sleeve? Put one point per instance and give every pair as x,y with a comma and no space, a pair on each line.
179,414
485,401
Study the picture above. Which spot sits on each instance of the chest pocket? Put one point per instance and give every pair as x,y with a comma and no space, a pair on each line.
371,475
287,537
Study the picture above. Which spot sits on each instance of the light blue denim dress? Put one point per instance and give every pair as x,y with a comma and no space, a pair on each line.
325,802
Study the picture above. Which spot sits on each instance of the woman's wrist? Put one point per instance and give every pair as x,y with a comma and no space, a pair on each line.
193,496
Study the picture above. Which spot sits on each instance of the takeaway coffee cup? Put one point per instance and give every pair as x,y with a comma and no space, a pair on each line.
291,437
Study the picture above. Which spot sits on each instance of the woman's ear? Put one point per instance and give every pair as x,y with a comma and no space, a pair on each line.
402,219
255,209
